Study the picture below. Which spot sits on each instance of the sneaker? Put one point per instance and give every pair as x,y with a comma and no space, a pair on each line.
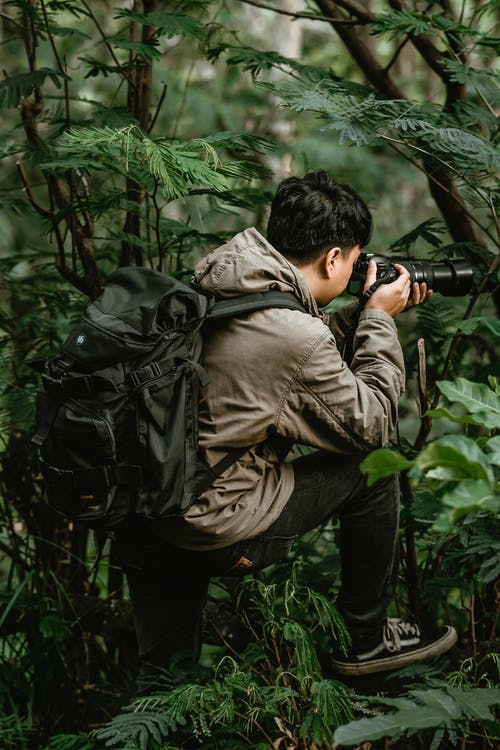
401,645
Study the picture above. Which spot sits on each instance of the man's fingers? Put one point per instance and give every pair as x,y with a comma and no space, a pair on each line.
371,275
420,294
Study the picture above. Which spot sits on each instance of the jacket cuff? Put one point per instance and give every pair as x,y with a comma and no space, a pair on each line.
377,315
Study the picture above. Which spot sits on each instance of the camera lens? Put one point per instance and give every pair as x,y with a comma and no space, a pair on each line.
452,278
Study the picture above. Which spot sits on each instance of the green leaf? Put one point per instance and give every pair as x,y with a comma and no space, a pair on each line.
146,50
414,717
454,457
383,463
471,495
428,231
470,325
492,448
69,31
431,708
477,398
442,413
168,24
476,703
18,87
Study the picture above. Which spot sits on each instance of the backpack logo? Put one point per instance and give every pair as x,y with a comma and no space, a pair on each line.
80,339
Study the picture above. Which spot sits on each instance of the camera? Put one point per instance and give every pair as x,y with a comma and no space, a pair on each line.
450,277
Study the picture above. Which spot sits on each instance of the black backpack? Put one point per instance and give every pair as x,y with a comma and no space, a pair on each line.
117,419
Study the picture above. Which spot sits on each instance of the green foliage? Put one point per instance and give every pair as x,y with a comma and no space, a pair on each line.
399,23
15,733
20,86
70,742
368,119
478,553
481,403
141,138
459,470
167,24
277,674
430,708
428,231
384,463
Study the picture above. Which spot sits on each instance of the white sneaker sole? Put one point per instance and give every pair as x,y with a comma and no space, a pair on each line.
397,661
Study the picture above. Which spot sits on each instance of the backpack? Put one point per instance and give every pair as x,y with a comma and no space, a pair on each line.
117,417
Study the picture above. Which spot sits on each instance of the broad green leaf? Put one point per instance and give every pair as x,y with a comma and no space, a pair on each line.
454,457
433,708
470,325
469,495
383,463
477,398
476,703
392,725
492,448
442,413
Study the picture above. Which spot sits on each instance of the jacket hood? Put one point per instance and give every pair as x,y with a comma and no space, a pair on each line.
248,264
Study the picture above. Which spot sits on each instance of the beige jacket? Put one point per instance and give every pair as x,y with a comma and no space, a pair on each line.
281,371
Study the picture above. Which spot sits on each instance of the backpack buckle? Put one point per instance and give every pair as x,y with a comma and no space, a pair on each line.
149,372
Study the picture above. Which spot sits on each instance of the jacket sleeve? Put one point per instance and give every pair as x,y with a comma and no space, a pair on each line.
340,408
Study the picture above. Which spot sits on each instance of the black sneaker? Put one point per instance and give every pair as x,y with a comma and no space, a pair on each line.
401,645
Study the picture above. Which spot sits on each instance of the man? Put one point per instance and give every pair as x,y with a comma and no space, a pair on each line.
278,377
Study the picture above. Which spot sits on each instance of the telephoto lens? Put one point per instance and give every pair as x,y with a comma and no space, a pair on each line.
450,277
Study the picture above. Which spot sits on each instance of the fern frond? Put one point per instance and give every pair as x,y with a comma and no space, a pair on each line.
429,230
70,742
429,708
305,661
97,68
241,141
252,60
15,88
397,23
147,51
436,320
135,729
68,31
484,81
174,165
167,24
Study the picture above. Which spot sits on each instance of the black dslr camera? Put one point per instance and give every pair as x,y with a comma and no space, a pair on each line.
453,277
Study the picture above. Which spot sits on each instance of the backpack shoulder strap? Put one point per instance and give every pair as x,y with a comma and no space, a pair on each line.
233,306
228,308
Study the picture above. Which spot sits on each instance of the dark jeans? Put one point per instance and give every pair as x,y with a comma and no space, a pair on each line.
168,585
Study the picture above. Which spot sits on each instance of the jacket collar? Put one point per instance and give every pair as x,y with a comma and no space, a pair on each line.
248,263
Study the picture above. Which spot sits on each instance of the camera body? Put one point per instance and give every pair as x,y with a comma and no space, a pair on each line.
450,277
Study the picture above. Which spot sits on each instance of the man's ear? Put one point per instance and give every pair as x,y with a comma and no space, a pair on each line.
329,260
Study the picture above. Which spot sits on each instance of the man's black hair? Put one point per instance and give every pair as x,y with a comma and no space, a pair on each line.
313,213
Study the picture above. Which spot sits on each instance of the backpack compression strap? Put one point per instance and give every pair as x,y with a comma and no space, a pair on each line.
233,306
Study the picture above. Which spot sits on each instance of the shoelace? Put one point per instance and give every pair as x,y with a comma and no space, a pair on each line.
394,630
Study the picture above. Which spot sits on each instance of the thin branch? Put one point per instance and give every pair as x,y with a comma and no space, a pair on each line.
309,16
365,58
158,107
434,58
105,40
354,9
27,189
397,52
59,63
11,20
439,184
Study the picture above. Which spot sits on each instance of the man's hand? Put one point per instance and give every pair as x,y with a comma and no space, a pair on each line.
395,297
